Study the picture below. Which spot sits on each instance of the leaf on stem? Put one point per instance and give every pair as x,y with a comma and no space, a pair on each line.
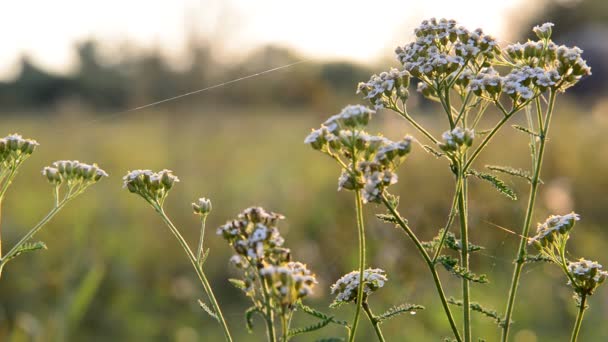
451,265
307,329
28,247
525,130
398,310
490,313
432,151
511,171
450,241
497,183
239,284
207,310
320,315
249,317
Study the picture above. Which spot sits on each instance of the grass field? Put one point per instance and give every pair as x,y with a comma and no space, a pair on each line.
113,271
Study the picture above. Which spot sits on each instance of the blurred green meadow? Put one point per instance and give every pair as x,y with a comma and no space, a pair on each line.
113,271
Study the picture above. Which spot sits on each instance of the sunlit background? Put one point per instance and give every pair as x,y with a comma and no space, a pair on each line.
71,73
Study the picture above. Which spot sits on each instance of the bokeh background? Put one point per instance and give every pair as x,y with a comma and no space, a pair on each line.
72,71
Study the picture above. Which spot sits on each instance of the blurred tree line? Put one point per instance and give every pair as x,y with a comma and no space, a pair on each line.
147,77
137,77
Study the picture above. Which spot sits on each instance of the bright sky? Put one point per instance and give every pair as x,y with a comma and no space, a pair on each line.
360,30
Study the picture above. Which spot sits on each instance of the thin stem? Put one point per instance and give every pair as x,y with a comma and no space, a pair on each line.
361,229
199,249
270,330
579,318
430,264
464,254
374,321
285,327
413,122
486,140
448,224
197,268
521,252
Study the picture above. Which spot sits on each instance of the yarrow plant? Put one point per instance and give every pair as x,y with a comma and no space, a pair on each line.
274,282
584,276
69,179
466,72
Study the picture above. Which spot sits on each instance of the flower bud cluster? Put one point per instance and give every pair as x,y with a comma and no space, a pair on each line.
368,161
443,48
73,171
152,186
346,288
456,139
387,87
202,206
14,149
255,238
254,235
289,282
565,64
587,276
554,227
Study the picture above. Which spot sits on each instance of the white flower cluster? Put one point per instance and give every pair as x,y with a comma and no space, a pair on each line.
380,89
346,288
443,47
73,171
289,282
455,139
564,64
14,149
152,186
375,157
254,234
554,225
202,206
587,275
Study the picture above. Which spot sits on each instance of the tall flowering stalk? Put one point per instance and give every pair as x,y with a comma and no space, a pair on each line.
154,187
465,72
69,179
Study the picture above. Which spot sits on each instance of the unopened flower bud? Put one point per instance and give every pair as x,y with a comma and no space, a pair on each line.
202,206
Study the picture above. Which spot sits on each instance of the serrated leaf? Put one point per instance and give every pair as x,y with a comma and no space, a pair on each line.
497,183
476,307
249,317
398,310
512,171
320,315
433,151
450,241
525,130
451,265
239,284
537,258
310,328
388,218
483,132
207,310
29,247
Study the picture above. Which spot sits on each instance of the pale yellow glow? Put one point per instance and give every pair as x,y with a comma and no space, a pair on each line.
358,30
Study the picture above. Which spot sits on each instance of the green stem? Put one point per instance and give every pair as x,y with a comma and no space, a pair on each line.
413,122
197,268
448,224
199,249
579,318
464,254
521,252
13,251
361,229
285,326
430,264
374,321
270,330
486,140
